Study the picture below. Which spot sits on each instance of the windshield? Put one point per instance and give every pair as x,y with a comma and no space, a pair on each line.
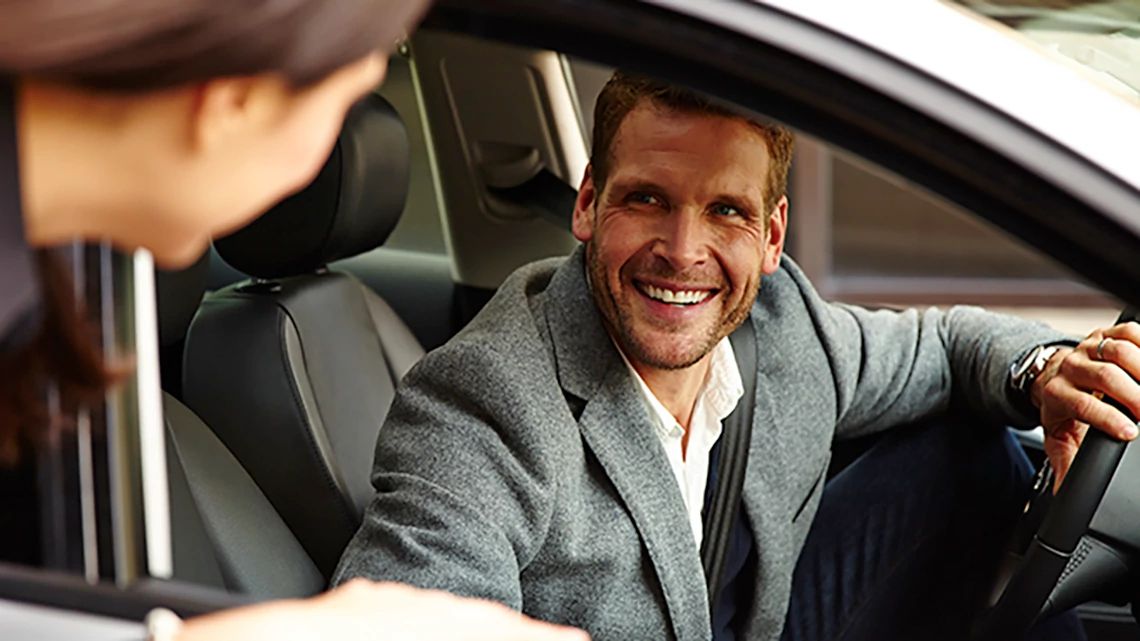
1102,36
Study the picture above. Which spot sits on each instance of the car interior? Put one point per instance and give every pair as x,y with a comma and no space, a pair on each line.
281,349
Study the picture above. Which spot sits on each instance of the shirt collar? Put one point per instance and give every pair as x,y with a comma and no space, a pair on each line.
721,391
724,386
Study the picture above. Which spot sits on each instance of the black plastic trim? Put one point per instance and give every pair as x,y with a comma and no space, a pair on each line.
40,587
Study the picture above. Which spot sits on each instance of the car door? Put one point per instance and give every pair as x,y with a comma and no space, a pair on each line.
98,497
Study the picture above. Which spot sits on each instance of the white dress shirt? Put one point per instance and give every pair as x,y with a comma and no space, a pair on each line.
719,395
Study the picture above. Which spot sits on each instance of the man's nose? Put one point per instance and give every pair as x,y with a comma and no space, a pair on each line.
683,238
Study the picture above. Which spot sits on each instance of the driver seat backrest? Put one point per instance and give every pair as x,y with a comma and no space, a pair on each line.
225,532
295,368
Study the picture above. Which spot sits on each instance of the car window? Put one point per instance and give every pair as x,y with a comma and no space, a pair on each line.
866,235
893,242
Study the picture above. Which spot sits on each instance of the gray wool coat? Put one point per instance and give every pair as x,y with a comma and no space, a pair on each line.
519,463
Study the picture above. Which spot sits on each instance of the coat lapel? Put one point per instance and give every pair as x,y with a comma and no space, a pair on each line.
767,452
766,485
616,427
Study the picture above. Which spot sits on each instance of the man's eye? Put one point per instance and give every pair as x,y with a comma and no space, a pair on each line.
722,209
644,198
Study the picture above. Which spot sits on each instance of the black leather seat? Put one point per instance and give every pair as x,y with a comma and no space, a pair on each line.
295,368
225,532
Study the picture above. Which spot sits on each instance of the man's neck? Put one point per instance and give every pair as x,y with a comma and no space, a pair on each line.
677,389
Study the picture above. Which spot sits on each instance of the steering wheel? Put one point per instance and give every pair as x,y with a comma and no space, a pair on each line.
1086,547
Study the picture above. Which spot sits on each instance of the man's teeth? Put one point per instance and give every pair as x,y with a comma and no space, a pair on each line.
676,298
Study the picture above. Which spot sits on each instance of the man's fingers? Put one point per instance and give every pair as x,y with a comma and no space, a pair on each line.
1107,378
1061,444
1129,331
1121,346
1086,408
1060,469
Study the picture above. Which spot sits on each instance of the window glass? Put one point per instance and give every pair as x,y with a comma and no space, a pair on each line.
894,243
883,225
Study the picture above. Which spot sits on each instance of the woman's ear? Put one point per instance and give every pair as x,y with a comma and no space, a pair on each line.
228,109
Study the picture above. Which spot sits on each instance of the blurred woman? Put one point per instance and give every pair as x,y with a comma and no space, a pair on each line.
159,124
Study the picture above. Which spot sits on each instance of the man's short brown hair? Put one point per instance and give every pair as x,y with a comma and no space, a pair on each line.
624,91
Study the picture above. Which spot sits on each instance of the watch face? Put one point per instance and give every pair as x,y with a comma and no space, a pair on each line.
1020,369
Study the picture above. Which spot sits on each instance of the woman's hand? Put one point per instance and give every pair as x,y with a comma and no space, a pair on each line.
362,610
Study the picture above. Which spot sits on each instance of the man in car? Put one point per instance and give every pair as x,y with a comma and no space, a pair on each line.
555,455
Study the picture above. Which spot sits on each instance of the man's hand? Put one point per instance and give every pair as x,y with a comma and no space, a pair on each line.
1069,392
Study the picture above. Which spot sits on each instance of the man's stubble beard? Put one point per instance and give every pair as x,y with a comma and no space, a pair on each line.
618,321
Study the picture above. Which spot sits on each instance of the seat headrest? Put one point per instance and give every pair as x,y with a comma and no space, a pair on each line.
178,294
350,207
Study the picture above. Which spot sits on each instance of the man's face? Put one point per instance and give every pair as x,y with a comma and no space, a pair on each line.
676,242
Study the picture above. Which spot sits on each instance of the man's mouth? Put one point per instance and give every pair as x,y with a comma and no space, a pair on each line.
670,296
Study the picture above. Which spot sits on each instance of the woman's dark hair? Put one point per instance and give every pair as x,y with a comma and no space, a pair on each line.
62,350
144,45
137,46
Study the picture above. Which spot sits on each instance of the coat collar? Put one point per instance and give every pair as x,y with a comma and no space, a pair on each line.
617,428
583,351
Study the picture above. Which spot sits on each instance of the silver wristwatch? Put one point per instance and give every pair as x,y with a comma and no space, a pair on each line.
1026,370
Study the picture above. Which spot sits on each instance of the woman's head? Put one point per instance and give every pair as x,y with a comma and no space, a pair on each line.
160,124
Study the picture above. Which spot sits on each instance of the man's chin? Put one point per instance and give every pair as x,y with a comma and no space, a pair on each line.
666,352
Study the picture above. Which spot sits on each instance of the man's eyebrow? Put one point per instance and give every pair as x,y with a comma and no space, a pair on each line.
622,187
637,184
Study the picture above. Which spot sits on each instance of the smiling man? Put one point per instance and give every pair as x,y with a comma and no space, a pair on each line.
678,231
555,455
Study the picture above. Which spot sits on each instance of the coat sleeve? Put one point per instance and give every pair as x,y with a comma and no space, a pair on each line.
463,491
892,367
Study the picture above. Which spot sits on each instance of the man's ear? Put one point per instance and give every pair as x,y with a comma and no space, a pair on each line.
583,223
777,232
226,109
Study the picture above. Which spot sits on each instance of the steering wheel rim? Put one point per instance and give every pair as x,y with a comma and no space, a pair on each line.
1028,587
